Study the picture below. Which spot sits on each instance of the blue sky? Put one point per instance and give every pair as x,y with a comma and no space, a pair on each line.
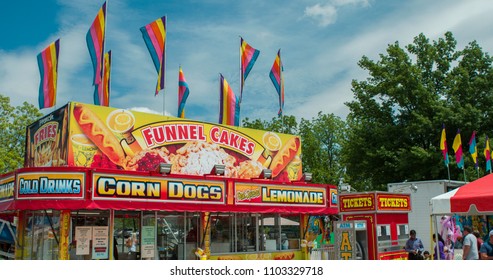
321,42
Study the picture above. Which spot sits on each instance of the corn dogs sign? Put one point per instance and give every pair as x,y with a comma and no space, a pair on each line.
122,187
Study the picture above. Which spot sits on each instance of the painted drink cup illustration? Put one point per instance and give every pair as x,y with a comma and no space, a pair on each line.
272,143
83,150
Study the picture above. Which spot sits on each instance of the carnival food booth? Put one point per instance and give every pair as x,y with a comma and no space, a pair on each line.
106,183
374,225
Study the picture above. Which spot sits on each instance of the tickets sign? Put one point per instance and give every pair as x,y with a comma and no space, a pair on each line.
393,202
357,202
50,185
263,195
151,189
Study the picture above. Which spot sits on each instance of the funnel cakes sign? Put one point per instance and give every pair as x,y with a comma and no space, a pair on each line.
104,137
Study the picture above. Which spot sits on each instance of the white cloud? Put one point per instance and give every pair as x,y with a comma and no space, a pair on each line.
323,14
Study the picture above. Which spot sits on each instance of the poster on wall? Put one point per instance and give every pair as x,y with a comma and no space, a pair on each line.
99,243
147,247
83,237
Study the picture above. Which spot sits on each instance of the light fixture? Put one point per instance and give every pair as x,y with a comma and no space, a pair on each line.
164,168
413,188
307,177
265,174
218,169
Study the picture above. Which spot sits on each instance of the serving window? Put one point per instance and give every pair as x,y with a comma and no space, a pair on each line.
253,232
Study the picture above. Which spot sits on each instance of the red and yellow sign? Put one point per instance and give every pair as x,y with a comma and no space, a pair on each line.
50,185
375,201
358,202
393,202
158,189
258,194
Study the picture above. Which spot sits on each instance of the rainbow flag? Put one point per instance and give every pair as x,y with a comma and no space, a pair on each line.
443,146
248,57
102,90
229,113
487,155
154,35
278,81
473,149
457,146
48,70
183,92
95,43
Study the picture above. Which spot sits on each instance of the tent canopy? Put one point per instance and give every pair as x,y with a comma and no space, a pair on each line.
472,198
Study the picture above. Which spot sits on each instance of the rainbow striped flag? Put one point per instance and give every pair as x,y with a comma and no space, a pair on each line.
95,43
183,92
443,146
457,146
102,90
248,57
229,113
473,149
278,81
487,155
48,70
154,35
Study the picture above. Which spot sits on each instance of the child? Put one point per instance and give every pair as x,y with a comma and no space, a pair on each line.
426,255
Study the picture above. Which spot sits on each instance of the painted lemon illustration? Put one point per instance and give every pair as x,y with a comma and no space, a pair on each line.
272,141
120,121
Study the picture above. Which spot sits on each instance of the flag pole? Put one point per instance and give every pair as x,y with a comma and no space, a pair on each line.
241,82
102,53
164,61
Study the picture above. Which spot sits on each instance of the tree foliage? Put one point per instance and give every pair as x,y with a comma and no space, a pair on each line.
320,142
13,123
397,114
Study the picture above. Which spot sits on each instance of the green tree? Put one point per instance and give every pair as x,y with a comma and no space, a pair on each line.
320,143
321,147
397,114
13,123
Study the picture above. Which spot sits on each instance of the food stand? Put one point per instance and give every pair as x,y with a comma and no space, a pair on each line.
379,223
106,183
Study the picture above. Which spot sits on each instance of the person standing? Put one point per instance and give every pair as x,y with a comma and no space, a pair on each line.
438,248
469,245
479,241
486,250
414,246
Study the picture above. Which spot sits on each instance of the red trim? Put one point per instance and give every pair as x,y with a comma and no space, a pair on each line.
130,190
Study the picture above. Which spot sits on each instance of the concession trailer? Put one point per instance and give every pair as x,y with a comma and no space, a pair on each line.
107,183
373,226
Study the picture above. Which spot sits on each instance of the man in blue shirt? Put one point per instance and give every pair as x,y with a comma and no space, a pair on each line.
414,247
486,250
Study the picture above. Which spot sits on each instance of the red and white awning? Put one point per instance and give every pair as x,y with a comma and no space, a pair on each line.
473,198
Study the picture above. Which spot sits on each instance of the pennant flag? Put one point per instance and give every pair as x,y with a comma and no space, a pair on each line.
473,150
95,43
443,146
48,70
102,90
183,92
278,81
154,35
248,57
487,155
229,113
457,146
